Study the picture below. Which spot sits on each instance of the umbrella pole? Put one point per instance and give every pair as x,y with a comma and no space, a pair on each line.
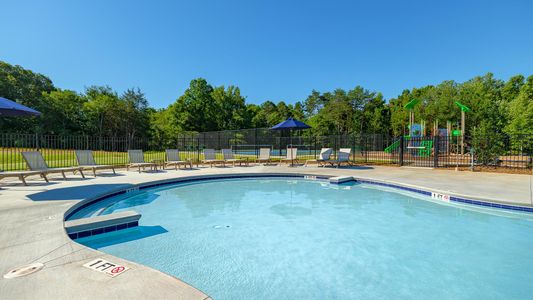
290,142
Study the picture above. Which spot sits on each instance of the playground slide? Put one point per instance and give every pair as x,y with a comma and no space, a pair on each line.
392,147
424,149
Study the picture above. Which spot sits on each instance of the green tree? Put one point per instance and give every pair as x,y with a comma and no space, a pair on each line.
25,87
196,109
136,115
230,106
521,110
104,110
63,113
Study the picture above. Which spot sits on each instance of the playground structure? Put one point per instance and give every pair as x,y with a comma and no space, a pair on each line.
442,144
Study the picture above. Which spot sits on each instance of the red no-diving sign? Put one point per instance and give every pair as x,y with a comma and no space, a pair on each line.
117,269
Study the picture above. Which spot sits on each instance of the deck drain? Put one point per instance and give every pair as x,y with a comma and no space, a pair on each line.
24,270
221,226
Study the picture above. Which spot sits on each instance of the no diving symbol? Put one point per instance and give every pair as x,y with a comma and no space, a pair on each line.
117,270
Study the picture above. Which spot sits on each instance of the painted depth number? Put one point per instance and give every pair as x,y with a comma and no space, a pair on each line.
442,197
104,266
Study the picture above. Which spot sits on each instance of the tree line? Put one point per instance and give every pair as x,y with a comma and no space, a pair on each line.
498,106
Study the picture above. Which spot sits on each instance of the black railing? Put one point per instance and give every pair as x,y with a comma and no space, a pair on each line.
495,151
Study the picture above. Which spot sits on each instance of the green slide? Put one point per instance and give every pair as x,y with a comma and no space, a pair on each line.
392,147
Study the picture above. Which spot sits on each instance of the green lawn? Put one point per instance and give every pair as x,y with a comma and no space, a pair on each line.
11,159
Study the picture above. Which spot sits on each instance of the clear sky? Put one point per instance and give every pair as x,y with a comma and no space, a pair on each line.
272,50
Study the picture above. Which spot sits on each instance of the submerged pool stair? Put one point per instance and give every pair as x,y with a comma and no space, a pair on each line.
102,224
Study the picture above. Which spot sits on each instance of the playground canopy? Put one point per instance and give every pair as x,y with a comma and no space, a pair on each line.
462,106
411,104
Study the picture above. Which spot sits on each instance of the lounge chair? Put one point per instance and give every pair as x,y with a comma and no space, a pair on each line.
323,157
86,160
22,175
343,157
136,158
210,158
264,156
292,155
230,158
36,162
173,159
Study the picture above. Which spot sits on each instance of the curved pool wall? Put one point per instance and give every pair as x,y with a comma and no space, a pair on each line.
427,192
121,190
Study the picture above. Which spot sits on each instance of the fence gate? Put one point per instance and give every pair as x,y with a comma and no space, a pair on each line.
420,151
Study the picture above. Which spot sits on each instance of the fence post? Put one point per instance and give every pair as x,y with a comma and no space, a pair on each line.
197,150
314,151
400,152
255,142
353,147
335,147
436,151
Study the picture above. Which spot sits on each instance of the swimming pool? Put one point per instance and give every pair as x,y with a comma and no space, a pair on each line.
281,238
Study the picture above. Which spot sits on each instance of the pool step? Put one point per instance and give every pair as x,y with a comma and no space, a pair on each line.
102,224
340,179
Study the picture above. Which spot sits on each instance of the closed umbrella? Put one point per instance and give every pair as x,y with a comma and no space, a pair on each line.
10,108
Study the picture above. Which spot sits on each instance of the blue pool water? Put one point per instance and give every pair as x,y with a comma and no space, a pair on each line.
287,238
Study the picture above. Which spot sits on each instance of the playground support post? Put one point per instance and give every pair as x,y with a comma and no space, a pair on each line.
462,132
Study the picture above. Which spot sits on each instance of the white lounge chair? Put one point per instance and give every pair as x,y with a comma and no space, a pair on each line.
264,156
323,157
210,158
86,160
136,158
173,159
230,158
22,175
343,157
292,156
36,162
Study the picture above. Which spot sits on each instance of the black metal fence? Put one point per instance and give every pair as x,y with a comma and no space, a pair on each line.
495,151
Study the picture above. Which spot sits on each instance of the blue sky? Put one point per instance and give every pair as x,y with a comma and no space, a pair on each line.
272,50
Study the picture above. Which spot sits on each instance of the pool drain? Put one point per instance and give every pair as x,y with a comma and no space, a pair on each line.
221,226
24,270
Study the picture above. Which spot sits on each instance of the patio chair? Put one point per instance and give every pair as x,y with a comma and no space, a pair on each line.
22,175
173,159
36,162
210,158
343,157
86,160
264,156
292,155
230,158
136,158
323,157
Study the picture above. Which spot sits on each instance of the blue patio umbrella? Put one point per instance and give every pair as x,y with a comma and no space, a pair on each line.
289,125
10,108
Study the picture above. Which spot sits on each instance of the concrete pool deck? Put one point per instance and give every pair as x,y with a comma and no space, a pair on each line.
32,226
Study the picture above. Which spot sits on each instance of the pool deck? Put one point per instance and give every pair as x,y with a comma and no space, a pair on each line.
32,226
